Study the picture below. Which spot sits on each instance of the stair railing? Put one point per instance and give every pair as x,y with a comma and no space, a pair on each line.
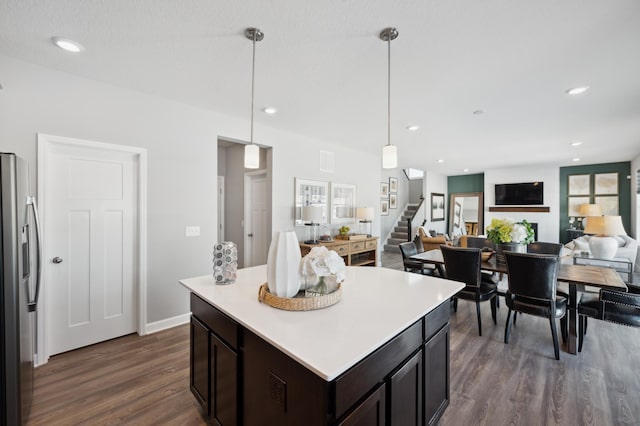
410,229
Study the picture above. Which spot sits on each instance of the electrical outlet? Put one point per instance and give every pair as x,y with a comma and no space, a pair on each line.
192,231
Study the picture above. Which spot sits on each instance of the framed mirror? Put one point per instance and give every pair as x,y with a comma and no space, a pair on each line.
311,193
343,203
466,213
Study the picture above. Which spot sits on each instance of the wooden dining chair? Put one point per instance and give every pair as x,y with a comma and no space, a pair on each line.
463,264
611,305
532,290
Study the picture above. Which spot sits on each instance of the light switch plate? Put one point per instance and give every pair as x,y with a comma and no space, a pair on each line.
192,231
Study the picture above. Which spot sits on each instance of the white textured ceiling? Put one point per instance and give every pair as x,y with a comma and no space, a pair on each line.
323,66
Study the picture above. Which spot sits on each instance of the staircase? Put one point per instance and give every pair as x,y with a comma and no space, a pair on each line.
399,233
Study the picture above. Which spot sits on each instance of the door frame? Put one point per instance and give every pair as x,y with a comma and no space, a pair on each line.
248,178
46,144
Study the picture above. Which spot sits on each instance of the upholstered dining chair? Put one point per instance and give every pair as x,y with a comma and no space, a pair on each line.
532,290
408,249
463,264
540,247
611,305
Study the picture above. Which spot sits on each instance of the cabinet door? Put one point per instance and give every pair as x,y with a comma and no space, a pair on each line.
405,393
436,375
224,382
199,363
371,412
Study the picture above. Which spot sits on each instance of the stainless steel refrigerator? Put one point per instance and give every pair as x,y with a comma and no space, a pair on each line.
19,288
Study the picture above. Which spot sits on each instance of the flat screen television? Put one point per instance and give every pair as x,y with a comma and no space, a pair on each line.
519,194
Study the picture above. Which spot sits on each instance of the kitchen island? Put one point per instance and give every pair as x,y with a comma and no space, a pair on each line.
380,355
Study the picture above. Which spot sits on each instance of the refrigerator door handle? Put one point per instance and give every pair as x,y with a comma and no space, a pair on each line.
33,304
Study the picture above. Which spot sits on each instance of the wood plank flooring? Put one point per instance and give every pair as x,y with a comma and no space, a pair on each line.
137,380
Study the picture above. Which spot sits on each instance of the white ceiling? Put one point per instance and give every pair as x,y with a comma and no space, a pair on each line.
324,67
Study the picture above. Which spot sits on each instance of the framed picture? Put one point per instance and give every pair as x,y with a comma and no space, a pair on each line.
457,213
343,203
384,190
437,207
393,185
311,193
609,204
384,207
393,201
579,184
574,203
606,183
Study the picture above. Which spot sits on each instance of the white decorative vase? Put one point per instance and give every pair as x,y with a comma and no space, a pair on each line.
283,262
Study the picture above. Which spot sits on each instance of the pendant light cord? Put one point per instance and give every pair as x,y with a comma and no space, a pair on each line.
389,90
253,74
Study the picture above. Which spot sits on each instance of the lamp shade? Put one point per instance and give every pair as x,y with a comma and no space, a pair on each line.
589,210
251,156
605,226
389,157
312,213
364,213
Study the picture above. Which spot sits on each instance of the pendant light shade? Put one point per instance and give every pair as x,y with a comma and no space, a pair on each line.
251,156
252,151
389,152
389,157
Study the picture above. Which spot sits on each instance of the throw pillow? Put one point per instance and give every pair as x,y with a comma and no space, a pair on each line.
581,244
621,242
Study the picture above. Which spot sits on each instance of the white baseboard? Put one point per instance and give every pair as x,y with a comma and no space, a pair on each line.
164,324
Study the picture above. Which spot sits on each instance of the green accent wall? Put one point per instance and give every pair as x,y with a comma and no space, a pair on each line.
624,191
465,183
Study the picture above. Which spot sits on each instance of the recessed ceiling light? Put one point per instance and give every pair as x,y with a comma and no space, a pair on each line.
578,143
441,161
68,45
465,170
577,90
478,112
413,127
270,110
575,159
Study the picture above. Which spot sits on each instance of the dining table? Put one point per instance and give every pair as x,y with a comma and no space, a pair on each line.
578,277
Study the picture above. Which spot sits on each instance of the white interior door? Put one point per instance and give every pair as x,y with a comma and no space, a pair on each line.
91,245
221,207
256,216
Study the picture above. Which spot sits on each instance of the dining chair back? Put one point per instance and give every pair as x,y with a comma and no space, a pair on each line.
463,264
479,242
408,249
540,247
533,290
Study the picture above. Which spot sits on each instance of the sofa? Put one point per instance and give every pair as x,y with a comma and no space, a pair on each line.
627,248
429,242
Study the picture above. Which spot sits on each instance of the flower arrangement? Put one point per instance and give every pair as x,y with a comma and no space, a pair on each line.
322,270
508,231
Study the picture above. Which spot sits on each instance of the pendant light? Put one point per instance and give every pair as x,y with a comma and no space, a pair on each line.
252,151
389,152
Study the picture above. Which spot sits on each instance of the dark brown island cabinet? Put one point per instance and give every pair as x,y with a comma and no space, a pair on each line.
241,379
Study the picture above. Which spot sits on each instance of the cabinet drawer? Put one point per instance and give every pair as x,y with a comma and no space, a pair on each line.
358,246
215,320
370,245
436,319
341,249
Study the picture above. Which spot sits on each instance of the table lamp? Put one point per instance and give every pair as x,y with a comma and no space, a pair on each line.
312,215
589,210
365,216
604,227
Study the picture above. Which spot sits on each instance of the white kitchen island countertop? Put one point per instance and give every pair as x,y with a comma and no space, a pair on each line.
377,304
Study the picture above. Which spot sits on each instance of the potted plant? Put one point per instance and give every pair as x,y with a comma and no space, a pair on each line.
509,235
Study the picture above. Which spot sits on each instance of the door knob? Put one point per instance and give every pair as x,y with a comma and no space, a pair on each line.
57,259
250,235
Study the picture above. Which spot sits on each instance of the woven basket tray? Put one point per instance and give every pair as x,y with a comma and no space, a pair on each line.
299,303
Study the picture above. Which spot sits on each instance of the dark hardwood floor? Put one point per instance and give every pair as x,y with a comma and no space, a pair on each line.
137,380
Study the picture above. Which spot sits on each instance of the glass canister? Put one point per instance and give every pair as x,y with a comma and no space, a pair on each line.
225,262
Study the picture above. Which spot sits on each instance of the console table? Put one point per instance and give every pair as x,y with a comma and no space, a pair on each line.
360,252
619,264
378,356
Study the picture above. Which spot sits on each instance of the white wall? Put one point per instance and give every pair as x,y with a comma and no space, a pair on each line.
547,222
182,159
436,182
